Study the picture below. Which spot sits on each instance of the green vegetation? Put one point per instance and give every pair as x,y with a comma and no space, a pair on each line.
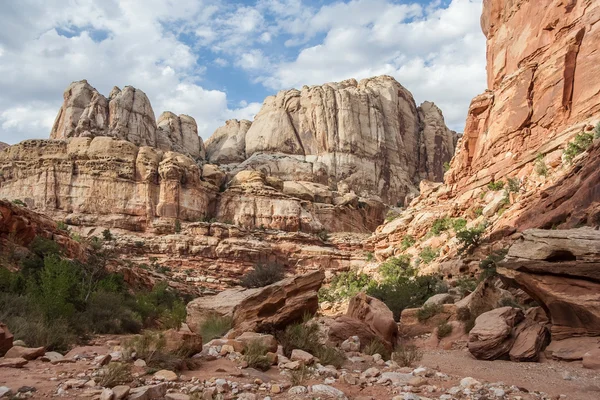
407,241
177,227
402,287
444,329
391,215
446,166
323,235
466,285
151,347
305,336
580,144
53,301
369,256
489,264
540,166
345,285
394,267
440,225
478,211
115,373
255,354
107,235
61,225
458,224
407,355
470,238
597,131
428,311
19,203
514,185
427,255
300,375
495,186
263,275
375,346
215,326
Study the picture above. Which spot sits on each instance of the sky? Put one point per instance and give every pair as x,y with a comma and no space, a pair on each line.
216,60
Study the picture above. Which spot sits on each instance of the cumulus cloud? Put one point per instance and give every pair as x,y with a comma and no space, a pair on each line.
166,48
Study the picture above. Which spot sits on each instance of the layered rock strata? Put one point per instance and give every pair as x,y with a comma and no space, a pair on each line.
367,137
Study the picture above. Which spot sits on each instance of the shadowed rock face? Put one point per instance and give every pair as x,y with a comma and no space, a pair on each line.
368,137
541,57
560,270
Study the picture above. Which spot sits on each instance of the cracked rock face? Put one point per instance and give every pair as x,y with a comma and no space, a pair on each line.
538,73
368,137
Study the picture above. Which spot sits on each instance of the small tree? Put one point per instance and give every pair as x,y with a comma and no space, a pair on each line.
107,235
177,226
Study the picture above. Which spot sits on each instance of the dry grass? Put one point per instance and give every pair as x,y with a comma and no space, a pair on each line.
115,374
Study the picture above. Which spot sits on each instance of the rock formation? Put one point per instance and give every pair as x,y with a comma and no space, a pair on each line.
538,71
127,114
368,137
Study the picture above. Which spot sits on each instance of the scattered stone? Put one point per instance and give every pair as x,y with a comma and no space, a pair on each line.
370,373
395,378
246,396
302,356
292,365
272,357
298,390
74,384
351,344
177,396
28,353
139,363
591,359
19,343
326,390
153,392
12,362
103,360
417,381
166,375
51,356
276,389
469,382
107,394
5,392
26,389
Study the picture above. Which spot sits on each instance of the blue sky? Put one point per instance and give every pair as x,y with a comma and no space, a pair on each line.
217,60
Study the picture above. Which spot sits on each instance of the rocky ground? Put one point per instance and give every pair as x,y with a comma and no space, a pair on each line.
441,374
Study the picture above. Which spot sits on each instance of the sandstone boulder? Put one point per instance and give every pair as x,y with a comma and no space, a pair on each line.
531,339
28,353
560,270
572,349
485,297
152,392
376,315
6,339
268,341
591,359
182,339
337,330
492,336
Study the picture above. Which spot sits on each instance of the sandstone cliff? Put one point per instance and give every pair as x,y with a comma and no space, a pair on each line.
542,57
366,137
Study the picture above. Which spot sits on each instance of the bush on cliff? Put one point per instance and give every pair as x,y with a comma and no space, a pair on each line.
345,285
580,143
263,275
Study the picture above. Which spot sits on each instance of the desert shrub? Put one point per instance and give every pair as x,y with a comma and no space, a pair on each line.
443,329
540,166
427,255
177,226
115,373
255,354
300,376
369,256
345,285
394,267
509,302
107,235
478,211
263,275
496,185
375,346
158,304
458,224
323,235
61,225
305,336
428,311
406,290
580,144
488,265
470,238
466,285
597,131
391,215
139,244
446,166
151,347
514,185
440,225
109,312
19,202
215,326
407,241
407,355
76,237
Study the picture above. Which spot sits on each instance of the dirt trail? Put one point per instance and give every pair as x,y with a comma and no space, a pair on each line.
545,376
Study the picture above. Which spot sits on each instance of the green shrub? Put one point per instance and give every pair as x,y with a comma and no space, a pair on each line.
514,185
174,316
427,255
458,224
19,203
369,256
466,285
61,225
446,166
444,329
299,376
345,285
509,302
407,241
263,275
489,264
440,225
215,326
394,267
323,235
255,354
407,355
329,355
375,346
114,374
391,215
540,166
109,312
470,238
428,311
495,186
177,227
107,235
580,144
151,347
478,211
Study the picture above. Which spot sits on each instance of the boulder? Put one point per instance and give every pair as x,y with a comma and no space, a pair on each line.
486,296
572,349
211,173
260,309
302,356
439,299
378,317
531,339
28,353
339,329
6,339
182,339
560,269
591,359
121,391
6,362
165,375
153,392
492,336
268,341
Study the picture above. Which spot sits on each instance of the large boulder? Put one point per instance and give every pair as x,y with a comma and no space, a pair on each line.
260,309
182,340
6,339
492,337
560,269
485,297
336,330
531,338
376,315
